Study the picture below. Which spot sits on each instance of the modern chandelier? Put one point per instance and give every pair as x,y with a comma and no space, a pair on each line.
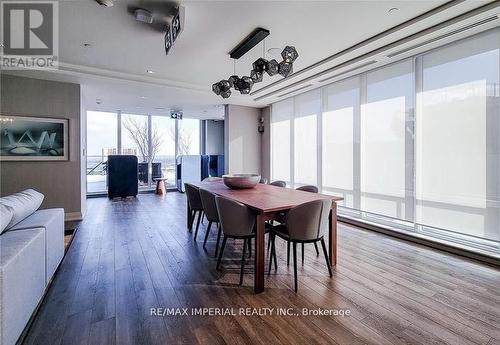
259,67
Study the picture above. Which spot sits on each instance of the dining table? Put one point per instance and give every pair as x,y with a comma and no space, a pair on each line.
269,203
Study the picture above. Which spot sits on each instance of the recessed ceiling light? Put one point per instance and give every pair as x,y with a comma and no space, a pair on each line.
393,10
150,71
160,108
142,97
87,45
274,51
98,100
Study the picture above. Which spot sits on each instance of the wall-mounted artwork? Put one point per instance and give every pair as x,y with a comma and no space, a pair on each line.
33,138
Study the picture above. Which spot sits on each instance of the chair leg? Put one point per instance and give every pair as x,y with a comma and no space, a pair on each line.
271,240
268,243
199,220
243,261
196,233
191,221
249,247
274,254
288,253
303,246
206,234
325,252
221,251
316,247
218,239
295,265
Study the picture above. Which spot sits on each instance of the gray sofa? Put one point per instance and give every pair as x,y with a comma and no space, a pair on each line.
31,248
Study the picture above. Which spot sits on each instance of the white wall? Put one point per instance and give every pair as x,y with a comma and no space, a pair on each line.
242,140
265,155
214,137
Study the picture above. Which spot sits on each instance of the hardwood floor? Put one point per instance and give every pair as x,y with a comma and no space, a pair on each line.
134,255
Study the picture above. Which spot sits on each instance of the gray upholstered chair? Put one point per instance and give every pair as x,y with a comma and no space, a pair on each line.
237,222
210,210
311,189
212,179
305,223
194,200
278,184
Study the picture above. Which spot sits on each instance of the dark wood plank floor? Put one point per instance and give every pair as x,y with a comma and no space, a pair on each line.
130,256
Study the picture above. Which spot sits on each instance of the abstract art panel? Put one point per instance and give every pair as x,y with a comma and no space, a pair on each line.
33,138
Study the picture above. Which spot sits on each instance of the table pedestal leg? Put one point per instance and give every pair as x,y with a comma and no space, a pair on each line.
259,254
332,238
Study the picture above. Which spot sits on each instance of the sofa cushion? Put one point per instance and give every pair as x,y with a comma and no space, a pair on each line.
22,280
22,204
52,220
5,217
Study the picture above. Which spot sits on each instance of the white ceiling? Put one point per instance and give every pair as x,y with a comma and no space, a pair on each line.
114,68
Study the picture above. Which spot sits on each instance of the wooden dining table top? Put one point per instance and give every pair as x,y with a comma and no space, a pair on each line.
264,197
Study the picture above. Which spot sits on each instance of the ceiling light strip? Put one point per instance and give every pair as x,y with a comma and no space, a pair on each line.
403,40
375,52
372,39
299,89
357,68
448,34
330,70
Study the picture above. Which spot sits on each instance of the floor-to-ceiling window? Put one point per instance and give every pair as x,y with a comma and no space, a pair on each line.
135,141
163,148
388,99
457,139
189,137
305,134
413,145
155,140
101,142
341,106
280,140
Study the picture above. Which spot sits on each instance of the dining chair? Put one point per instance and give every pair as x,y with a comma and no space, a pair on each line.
210,210
237,222
194,201
278,183
310,189
305,223
212,179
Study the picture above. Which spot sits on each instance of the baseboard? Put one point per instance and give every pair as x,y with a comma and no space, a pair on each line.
426,241
72,216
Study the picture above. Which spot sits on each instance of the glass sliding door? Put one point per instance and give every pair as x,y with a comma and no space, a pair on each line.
305,138
457,139
135,141
189,137
282,113
341,107
163,148
389,97
101,141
